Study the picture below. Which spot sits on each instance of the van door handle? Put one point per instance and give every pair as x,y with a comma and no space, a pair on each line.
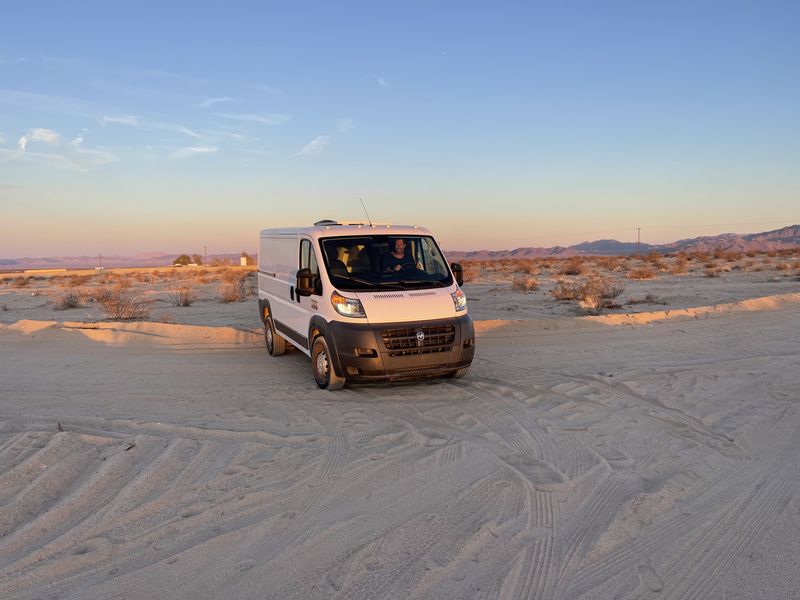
291,292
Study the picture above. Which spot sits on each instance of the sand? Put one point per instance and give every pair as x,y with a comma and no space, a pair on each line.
653,452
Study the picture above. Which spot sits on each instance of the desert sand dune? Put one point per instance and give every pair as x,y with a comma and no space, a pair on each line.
618,456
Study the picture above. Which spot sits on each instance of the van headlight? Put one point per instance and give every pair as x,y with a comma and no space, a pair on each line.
348,307
459,299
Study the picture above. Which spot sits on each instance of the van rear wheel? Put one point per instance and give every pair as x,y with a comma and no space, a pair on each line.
276,345
322,366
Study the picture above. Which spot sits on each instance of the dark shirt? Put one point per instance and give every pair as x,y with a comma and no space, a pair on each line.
389,262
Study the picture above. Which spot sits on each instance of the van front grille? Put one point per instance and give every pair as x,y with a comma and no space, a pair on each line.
405,341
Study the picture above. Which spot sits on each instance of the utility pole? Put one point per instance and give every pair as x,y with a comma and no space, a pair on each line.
205,256
638,240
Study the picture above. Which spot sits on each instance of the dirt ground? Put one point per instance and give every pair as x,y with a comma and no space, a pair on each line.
650,451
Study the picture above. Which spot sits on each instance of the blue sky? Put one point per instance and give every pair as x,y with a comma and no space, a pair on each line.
131,127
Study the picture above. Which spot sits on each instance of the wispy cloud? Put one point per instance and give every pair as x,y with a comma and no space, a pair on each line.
345,125
268,90
212,101
188,151
176,127
382,82
120,120
315,146
46,103
48,136
74,156
263,119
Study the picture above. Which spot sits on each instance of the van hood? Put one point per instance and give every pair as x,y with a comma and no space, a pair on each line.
402,306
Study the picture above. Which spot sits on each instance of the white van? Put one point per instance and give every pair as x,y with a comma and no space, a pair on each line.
365,301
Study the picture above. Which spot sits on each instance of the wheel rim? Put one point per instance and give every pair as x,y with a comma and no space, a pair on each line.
268,333
322,365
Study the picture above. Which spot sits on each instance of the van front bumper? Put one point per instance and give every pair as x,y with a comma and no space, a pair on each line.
396,351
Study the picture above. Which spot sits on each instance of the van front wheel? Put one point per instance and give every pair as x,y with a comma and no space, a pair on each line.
276,345
324,374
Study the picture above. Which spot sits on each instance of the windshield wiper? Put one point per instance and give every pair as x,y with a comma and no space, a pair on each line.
358,280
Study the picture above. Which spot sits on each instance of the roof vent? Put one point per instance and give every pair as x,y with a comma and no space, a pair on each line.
325,223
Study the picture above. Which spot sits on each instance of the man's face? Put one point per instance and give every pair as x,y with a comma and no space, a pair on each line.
399,246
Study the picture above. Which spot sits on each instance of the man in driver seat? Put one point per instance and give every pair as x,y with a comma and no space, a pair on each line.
397,260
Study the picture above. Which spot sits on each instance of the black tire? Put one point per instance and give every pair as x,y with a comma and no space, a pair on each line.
321,365
276,345
458,373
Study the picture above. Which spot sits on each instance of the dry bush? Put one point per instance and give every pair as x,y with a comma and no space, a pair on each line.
231,275
184,295
681,264
76,280
471,270
641,273
751,253
573,266
783,267
525,283
699,255
592,296
236,290
610,263
564,291
69,299
711,272
526,266
119,305
653,257
20,282
733,255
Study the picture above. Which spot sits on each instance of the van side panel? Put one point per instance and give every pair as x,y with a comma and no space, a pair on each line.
277,264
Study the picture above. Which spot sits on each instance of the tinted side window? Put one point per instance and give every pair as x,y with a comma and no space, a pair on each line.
308,260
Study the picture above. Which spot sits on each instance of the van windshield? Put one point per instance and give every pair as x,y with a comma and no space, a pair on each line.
384,262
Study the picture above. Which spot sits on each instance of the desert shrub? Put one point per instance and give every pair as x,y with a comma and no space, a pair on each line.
751,253
654,258
234,291
119,305
471,270
592,296
783,267
681,264
711,272
526,266
232,276
641,273
573,266
20,282
610,263
525,283
76,280
184,295
565,291
733,255
699,255
69,299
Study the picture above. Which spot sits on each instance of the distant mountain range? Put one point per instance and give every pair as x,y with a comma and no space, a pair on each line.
787,237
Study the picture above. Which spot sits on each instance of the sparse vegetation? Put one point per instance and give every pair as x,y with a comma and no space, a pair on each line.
184,295
648,299
641,273
525,283
573,266
680,265
69,299
20,282
593,296
119,305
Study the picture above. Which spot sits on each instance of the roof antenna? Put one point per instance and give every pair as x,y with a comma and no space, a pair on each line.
365,211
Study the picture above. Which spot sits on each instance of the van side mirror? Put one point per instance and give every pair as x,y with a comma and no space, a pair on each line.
458,273
305,282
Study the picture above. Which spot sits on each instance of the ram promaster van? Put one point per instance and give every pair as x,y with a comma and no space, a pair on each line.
365,301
